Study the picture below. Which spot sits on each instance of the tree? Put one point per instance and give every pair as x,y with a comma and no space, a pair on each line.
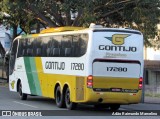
142,15
137,14
16,16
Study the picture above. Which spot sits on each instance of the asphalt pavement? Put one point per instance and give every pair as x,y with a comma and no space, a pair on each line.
150,105
10,101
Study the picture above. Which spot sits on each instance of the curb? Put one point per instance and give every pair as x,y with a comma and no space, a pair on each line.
151,102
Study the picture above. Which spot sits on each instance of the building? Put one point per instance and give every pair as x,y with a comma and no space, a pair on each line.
152,68
5,37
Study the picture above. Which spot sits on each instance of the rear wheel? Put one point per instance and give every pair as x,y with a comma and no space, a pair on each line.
70,105
101,106
22,95
59,98
114,106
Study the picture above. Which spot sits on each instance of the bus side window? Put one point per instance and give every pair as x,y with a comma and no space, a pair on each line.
66,46
54,47
38,52
67,52
75,45
13,56
76,49
48,51
37,46
56,52
21,48
29,52
23,52
44,50
62,49
83,44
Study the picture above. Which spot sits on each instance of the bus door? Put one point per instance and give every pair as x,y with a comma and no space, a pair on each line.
12,59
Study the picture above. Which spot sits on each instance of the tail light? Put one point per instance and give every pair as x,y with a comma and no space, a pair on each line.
90,81
140,83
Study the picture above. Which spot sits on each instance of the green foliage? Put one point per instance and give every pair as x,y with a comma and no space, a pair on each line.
142,15
145,14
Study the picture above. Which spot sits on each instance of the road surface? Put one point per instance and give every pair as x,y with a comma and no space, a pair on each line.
11,101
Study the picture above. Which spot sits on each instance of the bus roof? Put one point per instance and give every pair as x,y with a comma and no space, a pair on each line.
93,27
61,29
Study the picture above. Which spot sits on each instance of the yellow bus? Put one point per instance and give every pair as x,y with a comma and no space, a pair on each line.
95,65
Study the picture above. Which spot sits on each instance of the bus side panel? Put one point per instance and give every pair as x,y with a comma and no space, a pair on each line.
65,71
32,76
19,74
75,84
43,78
48,82
61,80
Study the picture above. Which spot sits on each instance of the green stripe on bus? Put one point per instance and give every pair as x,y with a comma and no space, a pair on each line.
29,75
35,76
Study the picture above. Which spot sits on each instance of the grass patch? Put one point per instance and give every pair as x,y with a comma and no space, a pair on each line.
152,95
3,84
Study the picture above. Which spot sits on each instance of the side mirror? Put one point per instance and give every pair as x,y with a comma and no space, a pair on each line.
8,53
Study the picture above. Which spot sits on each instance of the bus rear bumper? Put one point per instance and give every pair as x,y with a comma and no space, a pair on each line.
113,97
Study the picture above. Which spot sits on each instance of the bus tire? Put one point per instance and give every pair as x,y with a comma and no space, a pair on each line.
101,106
70,105
22,95
59,98
114,106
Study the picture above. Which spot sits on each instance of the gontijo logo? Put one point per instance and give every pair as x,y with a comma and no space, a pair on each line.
118,39
12,84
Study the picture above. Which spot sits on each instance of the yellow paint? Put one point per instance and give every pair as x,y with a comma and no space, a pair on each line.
110,97
48,81
114,97
12,84
60,29
62,80
118,39
41,76
35,35
115,82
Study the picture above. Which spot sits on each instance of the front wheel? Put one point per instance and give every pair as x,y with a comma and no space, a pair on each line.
70,105
22,95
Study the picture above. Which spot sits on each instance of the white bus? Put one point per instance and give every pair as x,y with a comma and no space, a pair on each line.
96,65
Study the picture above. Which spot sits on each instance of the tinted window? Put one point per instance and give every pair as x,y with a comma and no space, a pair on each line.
13,56
54,46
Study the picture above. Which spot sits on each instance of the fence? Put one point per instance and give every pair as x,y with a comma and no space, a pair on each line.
3,69
151,92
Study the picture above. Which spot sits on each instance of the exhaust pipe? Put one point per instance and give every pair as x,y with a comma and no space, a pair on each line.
100,100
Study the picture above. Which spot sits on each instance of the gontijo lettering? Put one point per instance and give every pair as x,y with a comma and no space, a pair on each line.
117,48
55,65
